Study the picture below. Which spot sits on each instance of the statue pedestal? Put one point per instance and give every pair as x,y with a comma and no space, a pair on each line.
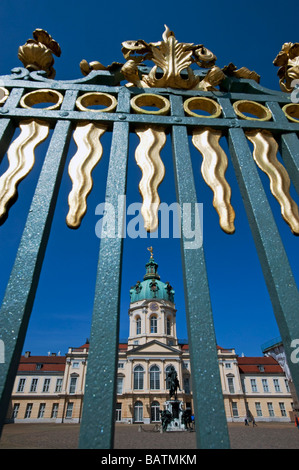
175,407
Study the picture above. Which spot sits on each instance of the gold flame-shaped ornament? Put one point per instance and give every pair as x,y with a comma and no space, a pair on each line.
21,158
147,155
265,155
213,170
89,152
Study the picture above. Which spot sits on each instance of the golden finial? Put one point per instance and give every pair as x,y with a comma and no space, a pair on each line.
150,249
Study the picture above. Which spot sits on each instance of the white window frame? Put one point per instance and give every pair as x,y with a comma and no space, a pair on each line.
21,385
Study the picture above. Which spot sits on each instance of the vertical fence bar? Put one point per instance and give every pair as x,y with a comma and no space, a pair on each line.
211,425
7,126
97,425
21,289
274,262
289,145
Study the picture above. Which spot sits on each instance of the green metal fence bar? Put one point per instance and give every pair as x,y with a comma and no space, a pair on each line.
209,411
98,416
274,262
289,144
7,126
19,296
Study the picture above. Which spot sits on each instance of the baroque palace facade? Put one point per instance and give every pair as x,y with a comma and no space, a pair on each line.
51,388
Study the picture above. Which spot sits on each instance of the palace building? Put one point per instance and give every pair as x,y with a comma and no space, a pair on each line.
51,388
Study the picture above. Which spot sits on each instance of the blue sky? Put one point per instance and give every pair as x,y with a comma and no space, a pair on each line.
248,35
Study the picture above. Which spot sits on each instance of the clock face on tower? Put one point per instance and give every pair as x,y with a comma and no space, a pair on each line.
154,306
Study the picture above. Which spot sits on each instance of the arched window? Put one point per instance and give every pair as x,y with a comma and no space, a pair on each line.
154,378
155,411
138,412
153,324
138,378
138,326
168,326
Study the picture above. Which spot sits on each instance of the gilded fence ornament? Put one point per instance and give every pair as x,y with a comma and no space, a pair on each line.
37,53
172,58
214,166
21,159
288,62
89,152
87,137
265,156
147,155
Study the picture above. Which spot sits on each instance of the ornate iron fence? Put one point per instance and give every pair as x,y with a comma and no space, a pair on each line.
170,98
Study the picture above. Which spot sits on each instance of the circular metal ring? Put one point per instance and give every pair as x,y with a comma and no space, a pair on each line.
4,93
150,99
291,111
42,96
203,104
94,99
252,107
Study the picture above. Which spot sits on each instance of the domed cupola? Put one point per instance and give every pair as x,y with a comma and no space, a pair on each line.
151,287
152,310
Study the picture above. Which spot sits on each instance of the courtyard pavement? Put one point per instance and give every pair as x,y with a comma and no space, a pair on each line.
65,436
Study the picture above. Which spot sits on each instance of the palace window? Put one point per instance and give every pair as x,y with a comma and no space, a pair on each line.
58,385
69,410
153,324
282,409
231,386
258,409
118,412
253,385
21,385
138,378
155,412
15,410
54,410
46,385
154,378
41,410
168,326
28,410
235,409
138,326
119,389
33,385
186,384
265,385
73,384
276,385
138,412
270,409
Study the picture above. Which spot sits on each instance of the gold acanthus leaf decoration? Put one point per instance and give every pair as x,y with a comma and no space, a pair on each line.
231,71
172,58
288,62
37,53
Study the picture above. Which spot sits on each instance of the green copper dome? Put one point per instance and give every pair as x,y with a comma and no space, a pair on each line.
151,287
